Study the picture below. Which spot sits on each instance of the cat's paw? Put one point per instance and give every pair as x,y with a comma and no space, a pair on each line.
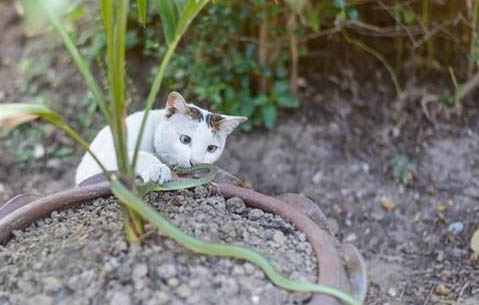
158,173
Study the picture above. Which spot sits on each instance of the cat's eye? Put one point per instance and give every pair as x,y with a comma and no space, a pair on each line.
212,148
185,139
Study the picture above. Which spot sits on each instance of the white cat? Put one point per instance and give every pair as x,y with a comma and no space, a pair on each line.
181,134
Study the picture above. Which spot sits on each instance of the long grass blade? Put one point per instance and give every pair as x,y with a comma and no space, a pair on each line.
141,9
114,15
80,62
12,115
169,18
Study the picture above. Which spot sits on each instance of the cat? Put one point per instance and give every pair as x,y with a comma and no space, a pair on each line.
180,134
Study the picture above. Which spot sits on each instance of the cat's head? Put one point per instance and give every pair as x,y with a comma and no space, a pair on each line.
189,135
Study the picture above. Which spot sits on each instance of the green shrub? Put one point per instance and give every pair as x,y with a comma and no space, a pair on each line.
218,65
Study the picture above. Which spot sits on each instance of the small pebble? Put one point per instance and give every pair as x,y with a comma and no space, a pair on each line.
201,192
456,227
255,214
235,205
387,204
41,299
139,271
279,237
249,268
351,237
51,283
317,177
160,298
238,270
392,292
166,270
216,202
121,298
255,299
183,291
173,282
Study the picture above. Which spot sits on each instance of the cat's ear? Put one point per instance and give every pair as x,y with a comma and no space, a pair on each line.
228,123
175,104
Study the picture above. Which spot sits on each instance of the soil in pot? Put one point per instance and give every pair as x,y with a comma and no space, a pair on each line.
80,256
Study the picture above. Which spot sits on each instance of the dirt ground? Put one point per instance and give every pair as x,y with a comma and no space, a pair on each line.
398,180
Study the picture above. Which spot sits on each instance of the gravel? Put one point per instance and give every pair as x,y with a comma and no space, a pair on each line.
79,256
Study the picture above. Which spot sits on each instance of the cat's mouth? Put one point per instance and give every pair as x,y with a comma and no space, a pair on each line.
173,163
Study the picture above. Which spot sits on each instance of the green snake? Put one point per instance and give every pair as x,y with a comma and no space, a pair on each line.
131,200
180,184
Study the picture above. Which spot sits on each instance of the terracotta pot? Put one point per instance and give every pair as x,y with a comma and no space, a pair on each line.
340,266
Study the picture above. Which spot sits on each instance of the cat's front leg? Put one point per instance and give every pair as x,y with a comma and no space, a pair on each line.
150,168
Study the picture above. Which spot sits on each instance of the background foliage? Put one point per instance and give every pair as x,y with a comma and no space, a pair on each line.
244,57
248,57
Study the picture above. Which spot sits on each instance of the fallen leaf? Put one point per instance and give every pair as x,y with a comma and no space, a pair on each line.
441,289
387,204
475,241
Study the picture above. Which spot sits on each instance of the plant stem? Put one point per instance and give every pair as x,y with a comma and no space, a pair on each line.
379,56
190,11
425,24
115,20
81,64
293,47
473,53
153,92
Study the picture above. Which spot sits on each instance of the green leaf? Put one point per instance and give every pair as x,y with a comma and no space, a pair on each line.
353,14
287,101
408,17
12,115
338,3
169,14
141,9
260,100
269,116
280,87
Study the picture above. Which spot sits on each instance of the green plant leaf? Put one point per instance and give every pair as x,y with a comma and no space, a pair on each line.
338,3
269,116
280,87
169,14
288,101
114,15
260,100
12,115
408,17
141,9
79,61
353,14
